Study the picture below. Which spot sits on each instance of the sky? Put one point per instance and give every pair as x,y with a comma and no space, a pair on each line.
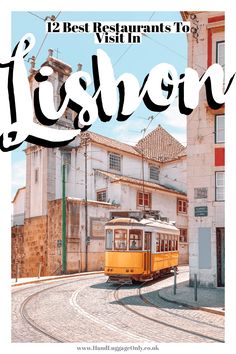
160,49
137,59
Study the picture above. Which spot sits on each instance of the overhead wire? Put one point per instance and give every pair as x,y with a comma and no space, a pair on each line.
53,18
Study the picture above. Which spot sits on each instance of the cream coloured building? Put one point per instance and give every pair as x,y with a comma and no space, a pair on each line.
205,157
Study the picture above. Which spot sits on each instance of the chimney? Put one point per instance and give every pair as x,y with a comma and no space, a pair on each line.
32,62
79,67
50,52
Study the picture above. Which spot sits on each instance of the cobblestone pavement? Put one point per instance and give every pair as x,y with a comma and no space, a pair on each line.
90,310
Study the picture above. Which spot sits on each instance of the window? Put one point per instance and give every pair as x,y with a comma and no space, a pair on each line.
200,193
183,235
158,247
36,175
220,53
102,196
135,239
120,239
173,243
114,162
170,242
181,206
144,199
166,243
162,242
176,243
220,128
220,186
154,173
109,236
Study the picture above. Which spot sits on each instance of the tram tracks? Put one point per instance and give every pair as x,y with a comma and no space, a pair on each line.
26,307
161,310
30,321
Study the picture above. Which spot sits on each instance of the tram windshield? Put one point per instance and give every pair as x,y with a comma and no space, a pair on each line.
109,237
120,239
135,239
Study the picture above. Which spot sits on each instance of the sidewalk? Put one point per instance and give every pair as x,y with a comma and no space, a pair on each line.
208,299
22,281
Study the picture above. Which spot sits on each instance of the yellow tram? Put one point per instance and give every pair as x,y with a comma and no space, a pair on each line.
139,250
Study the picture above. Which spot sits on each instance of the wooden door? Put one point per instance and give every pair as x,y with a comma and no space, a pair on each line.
220,251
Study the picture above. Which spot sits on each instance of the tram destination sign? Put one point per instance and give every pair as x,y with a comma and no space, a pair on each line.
201,211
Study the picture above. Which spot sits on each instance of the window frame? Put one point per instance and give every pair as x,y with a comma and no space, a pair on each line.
176,242
107,248
158,242
162,242
170,237
217,52
216,174
140,239
183,201
216,129
184,234
143,199
158,173
110,154
120,239
101,191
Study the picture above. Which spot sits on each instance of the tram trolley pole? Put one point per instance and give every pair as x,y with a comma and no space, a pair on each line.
175,282
195,287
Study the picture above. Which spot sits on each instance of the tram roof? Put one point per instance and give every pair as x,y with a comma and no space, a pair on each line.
158,223
143,222
124,221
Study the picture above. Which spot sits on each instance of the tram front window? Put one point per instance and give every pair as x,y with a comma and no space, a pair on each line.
109,236
120,239
135,239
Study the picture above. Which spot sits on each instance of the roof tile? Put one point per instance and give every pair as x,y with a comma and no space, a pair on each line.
161,146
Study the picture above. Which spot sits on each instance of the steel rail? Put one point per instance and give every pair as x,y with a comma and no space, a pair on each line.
127,307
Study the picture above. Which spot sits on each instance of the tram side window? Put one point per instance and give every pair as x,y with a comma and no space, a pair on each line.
135,239
176,243
170,242
120,239
162,243
109,236
158,246
166,243
173,243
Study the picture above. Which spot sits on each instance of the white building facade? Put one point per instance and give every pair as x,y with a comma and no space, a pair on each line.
205,158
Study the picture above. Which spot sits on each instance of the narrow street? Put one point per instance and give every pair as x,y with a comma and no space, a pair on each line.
90,310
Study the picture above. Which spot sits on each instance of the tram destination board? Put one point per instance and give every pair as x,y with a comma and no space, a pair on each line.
201,211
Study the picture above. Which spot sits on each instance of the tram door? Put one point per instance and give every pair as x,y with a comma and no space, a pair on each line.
147,254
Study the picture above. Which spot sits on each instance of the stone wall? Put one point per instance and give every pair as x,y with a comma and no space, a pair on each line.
35,246
55,236
39,242
17,251
29,247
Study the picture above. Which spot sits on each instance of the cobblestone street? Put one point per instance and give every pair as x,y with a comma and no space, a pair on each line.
88,309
